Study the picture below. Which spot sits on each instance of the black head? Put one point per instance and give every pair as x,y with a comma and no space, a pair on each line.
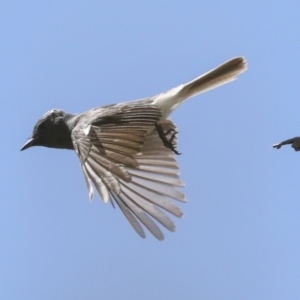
52,130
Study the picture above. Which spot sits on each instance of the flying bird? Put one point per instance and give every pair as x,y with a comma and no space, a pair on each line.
127,151
294,142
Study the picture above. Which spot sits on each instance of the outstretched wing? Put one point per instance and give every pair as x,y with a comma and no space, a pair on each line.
294,142
123,156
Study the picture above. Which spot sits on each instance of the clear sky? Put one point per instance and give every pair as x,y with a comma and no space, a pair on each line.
240,236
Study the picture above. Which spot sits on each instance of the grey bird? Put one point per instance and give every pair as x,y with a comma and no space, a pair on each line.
127,150
294,142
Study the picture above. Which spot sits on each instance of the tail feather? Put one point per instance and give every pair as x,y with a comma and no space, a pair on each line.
222,74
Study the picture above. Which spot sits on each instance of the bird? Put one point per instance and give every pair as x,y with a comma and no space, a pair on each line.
294,142
127,151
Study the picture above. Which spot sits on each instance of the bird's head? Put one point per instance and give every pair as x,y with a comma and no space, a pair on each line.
52,130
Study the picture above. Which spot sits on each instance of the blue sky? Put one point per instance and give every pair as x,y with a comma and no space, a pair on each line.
240,236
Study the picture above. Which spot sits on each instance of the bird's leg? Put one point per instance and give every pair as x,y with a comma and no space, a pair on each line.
168,143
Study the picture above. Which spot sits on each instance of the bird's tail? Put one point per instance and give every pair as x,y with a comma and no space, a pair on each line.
222,74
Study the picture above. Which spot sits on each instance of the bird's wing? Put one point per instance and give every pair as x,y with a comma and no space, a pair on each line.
123,156
295,142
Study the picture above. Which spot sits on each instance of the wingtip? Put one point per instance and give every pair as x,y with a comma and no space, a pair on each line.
276,146
91,194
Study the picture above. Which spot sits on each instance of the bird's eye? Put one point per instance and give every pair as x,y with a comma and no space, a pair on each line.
41,126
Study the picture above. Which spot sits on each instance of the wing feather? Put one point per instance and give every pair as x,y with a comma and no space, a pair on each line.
123,156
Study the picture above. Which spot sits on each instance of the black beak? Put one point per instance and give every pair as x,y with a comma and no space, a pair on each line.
29,144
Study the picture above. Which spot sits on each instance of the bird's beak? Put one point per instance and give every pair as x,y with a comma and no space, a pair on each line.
29,144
